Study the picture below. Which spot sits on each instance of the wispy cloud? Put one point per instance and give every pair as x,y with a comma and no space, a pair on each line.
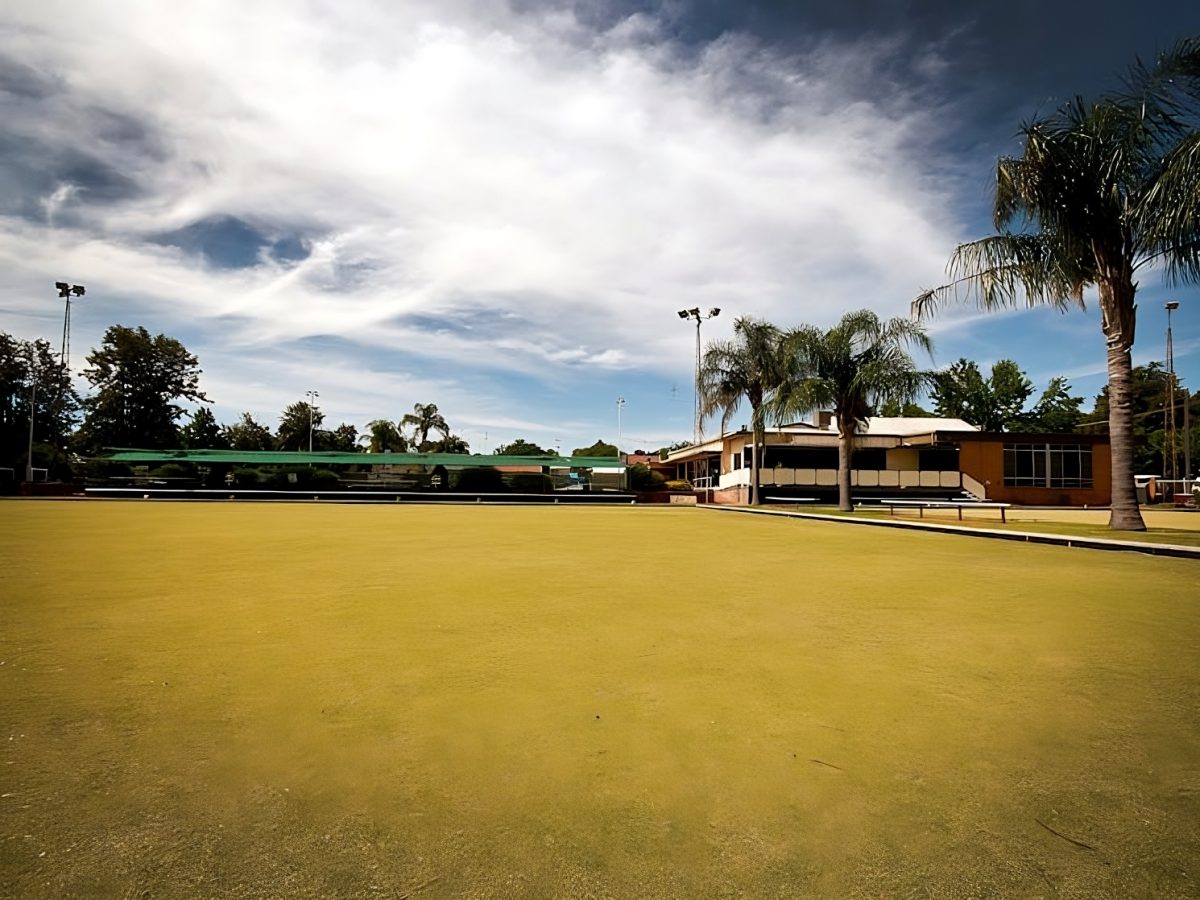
476,188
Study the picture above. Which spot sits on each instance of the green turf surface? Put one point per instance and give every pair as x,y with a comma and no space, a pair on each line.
251,699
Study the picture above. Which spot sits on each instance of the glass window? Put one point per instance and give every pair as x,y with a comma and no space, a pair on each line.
1048,465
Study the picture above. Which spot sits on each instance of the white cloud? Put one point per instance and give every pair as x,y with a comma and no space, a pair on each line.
463,163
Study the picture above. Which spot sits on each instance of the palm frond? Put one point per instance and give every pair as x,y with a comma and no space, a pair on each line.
745,368
1168,216
999,270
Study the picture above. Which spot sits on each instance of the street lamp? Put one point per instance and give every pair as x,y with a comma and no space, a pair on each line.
311,395
694,313
66,292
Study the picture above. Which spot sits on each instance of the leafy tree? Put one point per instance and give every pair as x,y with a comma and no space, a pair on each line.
137,378
1148,393
993,404
1056,410
663,452
423,419
748,367
247,434
896,409
24,364
600,448
849,369
300,422
343,439
384,437
1101,190
450,443
203,432
521,447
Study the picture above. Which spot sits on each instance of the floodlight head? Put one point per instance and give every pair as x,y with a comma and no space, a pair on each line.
1172,304
694,311
683,314
64,289
714,312
78,290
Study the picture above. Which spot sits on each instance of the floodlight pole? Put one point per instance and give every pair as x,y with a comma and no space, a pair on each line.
620,406
695,314
33,377
312,396
66,292
1170,461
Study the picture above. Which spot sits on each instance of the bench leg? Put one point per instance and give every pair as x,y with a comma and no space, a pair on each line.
1003,518
960,514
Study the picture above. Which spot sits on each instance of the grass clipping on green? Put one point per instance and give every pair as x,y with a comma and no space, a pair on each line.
245,699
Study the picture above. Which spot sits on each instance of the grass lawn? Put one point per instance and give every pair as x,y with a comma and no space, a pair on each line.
243,699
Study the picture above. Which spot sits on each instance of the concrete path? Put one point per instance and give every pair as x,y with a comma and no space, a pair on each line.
1032,537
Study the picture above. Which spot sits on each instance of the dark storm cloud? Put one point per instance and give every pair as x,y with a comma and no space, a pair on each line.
26,82
32,169
60,152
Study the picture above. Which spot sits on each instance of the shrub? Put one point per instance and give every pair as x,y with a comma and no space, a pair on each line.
679,487
323,479
246,478
532,483
173,471
643,478
485,480
277,480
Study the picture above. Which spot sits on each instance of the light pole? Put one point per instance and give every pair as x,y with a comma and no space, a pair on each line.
33,377
695,314
312,396
66,292
1169,449
620,406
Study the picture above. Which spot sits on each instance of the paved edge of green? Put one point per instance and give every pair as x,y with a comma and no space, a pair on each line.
1032,537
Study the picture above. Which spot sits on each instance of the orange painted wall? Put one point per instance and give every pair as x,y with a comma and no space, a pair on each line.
983,460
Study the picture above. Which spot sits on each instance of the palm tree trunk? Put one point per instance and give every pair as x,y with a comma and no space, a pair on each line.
1116,304
845,450
1126,516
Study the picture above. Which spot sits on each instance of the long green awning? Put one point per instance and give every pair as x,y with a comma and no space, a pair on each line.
337,458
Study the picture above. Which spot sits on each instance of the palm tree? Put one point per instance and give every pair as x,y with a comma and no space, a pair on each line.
298,421
849,369
384,437
749,366
425,418
1101,191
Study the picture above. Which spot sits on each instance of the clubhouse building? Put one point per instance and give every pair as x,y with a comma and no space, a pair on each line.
895,457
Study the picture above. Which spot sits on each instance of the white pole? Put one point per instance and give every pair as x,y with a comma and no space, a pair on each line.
696,427
312,396
33,374
620,404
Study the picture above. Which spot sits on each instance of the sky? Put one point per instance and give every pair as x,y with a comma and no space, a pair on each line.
499,207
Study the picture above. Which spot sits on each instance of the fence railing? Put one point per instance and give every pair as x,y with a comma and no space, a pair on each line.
777,476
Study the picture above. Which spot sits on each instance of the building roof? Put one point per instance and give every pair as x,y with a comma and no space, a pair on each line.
904,426
877,427
330,457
